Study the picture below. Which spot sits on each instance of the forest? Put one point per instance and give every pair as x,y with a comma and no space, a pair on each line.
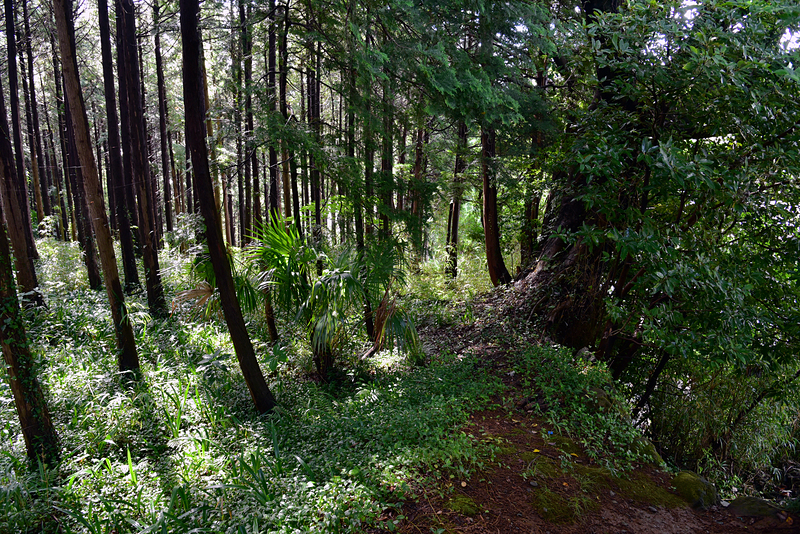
266,263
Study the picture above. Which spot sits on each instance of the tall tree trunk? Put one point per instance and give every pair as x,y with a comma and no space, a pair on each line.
35,175
141,169
387,162
26,272
163,120
128,194
247,53
66,198
40,160
273,107
455,203
19,189
63,222
75,174
491,230
126,344
115,171
41,440
195,141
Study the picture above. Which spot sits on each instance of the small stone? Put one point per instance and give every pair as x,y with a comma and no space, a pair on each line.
611,493
534,484
653,509
725,504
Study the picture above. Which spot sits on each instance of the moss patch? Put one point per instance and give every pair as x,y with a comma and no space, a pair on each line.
641,488
538,465
592,479
565,444
552,506
463,505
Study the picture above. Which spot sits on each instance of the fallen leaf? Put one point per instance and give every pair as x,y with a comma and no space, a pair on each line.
535,450
565,484
573,454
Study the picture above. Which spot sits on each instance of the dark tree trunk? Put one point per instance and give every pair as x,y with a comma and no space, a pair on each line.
387,162
40,159
64,192
126,344
82,219
41,440
63,223
455,203
127,192
35,156
249,175
273,101
141,169
163,120
491,231
26,272
195,141
115,172
19,188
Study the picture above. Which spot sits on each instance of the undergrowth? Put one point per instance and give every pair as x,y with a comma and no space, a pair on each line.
182,449
577,397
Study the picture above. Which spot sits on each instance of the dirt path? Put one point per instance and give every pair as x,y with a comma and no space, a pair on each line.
542,482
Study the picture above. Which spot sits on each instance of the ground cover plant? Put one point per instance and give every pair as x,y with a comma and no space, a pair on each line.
182,449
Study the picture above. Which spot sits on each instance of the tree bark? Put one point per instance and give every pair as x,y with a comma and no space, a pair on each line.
141,169
41,440
455,203
75,174
115,171
196,143
20,188
128,359
26,272
163,120
35,175
491,230
45,187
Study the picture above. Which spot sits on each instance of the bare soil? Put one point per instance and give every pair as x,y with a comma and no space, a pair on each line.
542,482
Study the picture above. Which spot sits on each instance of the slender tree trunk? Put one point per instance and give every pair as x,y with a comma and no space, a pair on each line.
63,222
163,120
141,169
115,170
26,94
387,163
247,52
19,188
195,141
455,204
75,175
128,195
40,160
26,273
273,107
126,344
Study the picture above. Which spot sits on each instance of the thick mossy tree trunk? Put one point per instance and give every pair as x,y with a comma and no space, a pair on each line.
41,440
196,143
128,358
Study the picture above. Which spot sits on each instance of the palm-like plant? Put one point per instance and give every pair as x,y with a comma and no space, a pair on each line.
323,306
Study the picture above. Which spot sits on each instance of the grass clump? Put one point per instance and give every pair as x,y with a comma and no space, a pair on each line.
567,393
552,507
